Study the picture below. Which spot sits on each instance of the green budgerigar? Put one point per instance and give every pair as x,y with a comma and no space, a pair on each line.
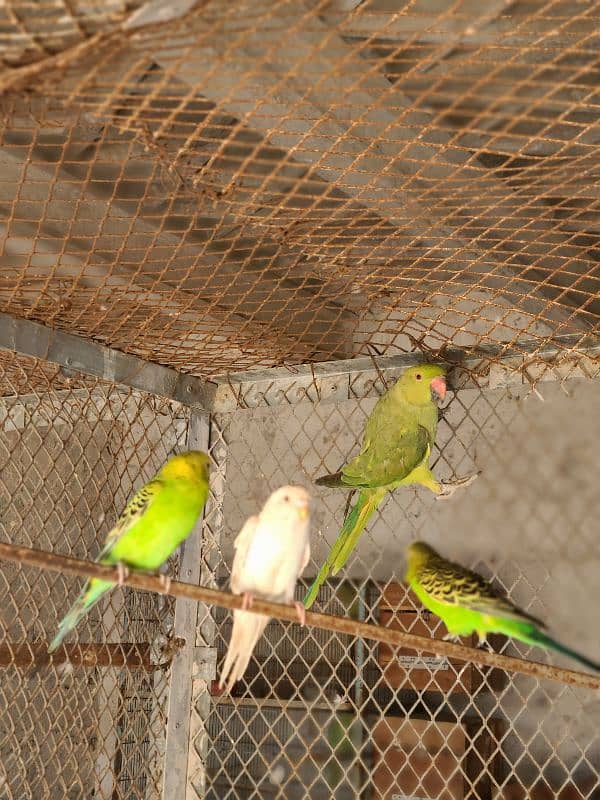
467,603
397,443
154,523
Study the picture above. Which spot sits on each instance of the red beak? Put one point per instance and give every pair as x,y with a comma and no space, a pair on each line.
438,385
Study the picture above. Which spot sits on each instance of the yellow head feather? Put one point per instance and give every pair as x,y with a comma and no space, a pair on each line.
192,466
418,553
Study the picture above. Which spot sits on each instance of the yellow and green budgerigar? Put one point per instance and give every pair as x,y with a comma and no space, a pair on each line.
154,523
397,443
467,603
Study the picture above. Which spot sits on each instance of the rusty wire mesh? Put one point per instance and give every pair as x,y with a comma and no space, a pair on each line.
71,452
229,186
320,714
254,183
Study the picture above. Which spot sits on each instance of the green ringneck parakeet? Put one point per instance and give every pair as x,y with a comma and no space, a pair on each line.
271,552
154,523
397,443
467,603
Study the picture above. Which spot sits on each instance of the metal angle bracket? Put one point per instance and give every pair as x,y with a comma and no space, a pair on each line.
496,366
501,365
76,354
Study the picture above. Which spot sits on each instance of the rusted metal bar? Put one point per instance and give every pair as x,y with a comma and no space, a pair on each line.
133,655
150,583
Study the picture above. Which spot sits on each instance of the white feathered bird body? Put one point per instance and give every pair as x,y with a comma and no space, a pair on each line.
271,552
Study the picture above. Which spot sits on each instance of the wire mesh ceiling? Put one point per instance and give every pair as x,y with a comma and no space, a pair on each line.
219,186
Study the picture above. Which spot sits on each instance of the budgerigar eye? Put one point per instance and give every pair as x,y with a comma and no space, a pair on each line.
418,376
286,498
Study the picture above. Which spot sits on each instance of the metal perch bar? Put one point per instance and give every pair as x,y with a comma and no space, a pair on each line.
395,638
134,655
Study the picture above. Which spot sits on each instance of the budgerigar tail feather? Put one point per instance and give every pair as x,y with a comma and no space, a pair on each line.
352,528
537,637
89,596
247,630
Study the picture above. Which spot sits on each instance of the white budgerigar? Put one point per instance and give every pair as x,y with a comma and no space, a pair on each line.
271,552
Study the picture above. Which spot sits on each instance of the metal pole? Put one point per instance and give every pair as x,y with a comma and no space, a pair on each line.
76,354
186,616
206,652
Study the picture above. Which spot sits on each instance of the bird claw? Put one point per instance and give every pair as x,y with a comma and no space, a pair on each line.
449,487
122,573
247,600
301,613
451,637
165,582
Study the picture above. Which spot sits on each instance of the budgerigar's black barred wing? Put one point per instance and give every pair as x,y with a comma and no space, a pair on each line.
132,513
450,583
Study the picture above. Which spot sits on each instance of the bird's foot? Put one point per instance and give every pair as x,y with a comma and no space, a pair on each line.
451,637
122,573
165,583
449,487
483,643
301,613
247,600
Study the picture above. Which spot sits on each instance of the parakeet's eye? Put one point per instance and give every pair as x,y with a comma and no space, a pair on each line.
418,376
286,498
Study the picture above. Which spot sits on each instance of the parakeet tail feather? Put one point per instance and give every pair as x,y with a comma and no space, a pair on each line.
353,526
89,596
247,630
355,523
333,481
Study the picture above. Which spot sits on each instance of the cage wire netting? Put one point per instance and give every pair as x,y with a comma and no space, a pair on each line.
285,200
72,450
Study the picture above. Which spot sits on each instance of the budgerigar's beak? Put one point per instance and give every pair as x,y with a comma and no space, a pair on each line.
303,512
438,385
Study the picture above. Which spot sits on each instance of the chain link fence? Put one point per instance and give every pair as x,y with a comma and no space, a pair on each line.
235,223
321,714
132,709
72,452
100,720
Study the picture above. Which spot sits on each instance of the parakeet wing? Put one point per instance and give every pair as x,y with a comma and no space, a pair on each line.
454,585
132,513
389,456
241,544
